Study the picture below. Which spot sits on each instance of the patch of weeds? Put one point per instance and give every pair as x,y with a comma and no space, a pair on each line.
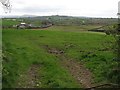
87,56
99,66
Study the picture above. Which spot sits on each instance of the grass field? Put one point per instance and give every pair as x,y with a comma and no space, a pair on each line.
73,28
9,22
42,54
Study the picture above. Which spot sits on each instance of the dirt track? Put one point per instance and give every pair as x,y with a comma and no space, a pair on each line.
80,73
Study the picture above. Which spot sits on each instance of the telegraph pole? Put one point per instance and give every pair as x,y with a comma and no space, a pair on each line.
118,30
118,44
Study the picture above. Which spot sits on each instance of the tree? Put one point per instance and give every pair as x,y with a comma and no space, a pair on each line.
6,5
115,73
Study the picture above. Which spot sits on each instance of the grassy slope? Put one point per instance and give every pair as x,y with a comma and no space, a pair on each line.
73,28
8,23
23,48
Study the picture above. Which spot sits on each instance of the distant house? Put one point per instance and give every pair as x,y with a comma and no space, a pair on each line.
23,25
30,26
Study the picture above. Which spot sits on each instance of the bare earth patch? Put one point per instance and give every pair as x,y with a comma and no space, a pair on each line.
30,78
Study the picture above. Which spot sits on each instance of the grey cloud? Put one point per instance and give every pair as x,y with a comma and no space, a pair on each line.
38,9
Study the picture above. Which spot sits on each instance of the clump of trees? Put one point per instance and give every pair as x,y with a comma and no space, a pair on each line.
117,50
114,75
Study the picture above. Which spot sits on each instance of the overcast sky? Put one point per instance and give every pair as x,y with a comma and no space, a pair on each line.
91,8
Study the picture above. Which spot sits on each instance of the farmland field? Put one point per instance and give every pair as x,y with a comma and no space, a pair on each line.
53,58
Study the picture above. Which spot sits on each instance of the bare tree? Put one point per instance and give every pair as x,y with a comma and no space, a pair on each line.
6,5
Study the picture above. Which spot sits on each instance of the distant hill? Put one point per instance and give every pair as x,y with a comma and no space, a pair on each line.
64,20
28,15
17,16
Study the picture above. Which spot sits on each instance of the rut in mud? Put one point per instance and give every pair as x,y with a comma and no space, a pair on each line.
80,73
30,78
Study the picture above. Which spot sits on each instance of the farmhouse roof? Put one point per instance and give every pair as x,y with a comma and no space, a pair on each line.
22,23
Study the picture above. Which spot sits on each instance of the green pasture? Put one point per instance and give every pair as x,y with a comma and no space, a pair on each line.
23,48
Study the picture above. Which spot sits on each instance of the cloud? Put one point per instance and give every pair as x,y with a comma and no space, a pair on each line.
97,8
38,9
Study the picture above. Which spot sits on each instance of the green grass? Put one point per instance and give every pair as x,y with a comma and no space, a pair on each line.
73,28
22,48
9,22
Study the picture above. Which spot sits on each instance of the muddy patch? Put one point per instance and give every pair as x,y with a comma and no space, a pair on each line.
81,74
54,51
30,79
